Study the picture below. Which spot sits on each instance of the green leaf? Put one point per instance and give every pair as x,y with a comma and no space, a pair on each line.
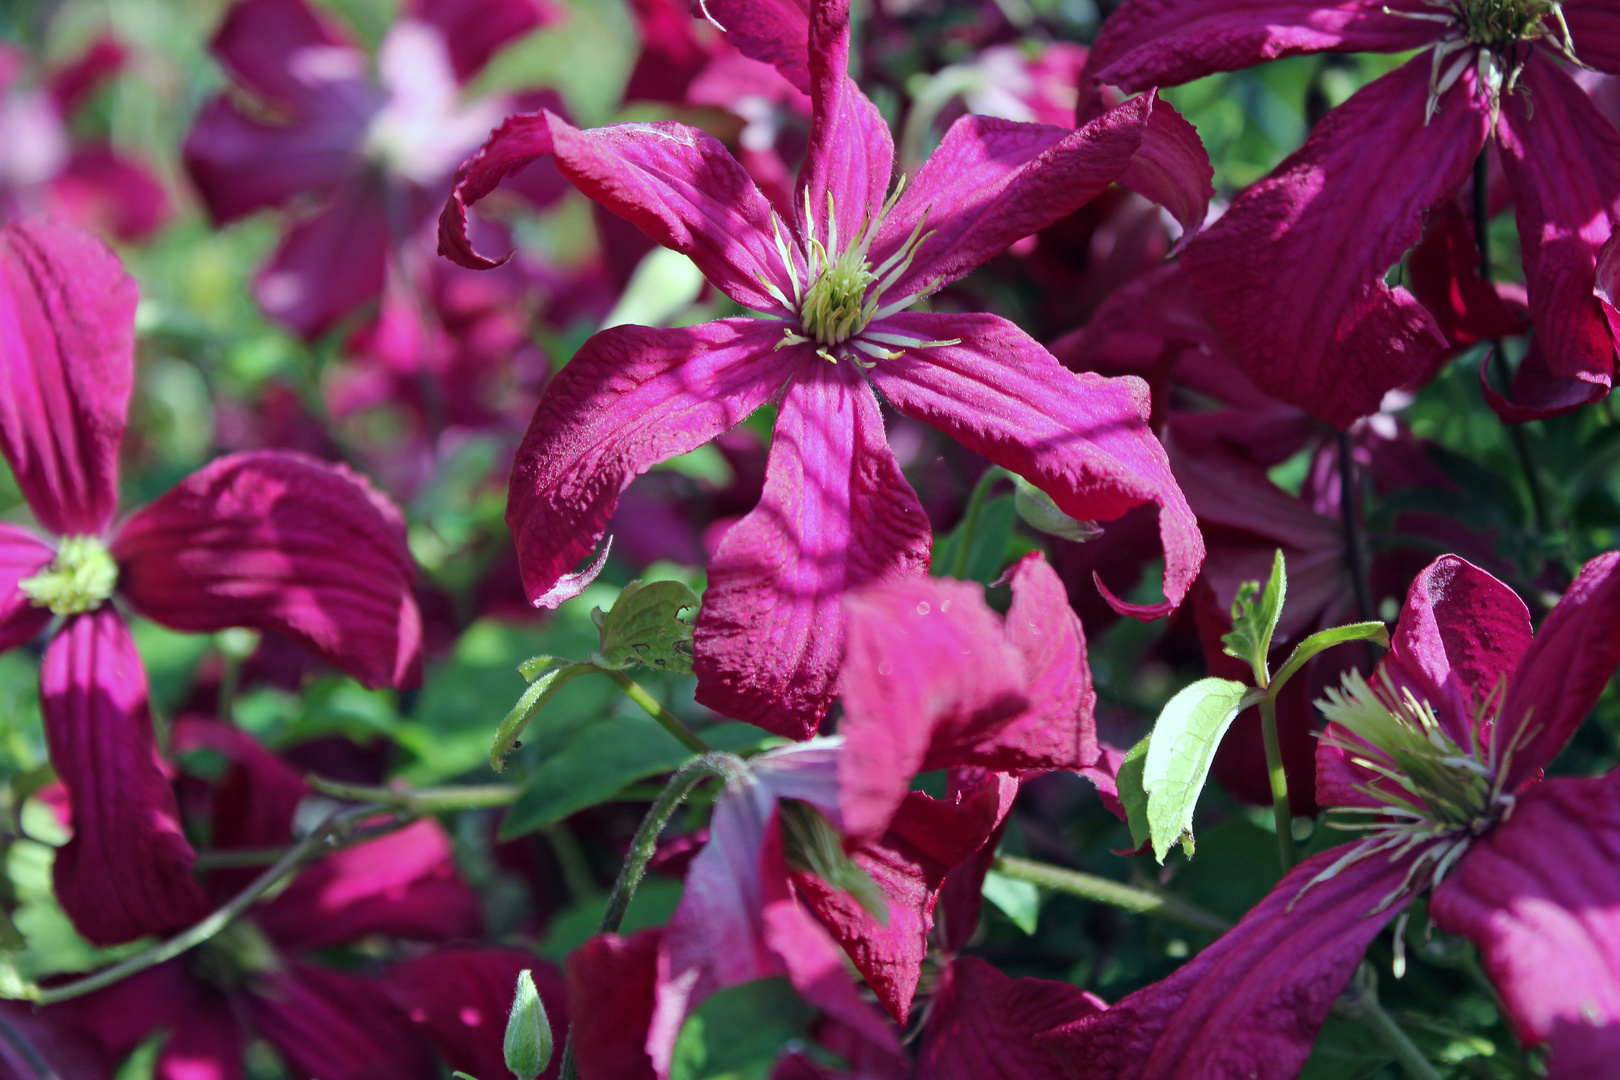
1254,619
1019,900
992,541
1040,513
1376,632
547,675
1132,795
740,1032
645,628
1179,754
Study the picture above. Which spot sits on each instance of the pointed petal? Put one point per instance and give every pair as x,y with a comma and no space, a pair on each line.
1565,669
127,871
459,999
982,1025
610,998
1082,439
631,397
1359,188
773,31
836,513
284,543
332,263
993,182
110,193
206,1043
1595,27
476,30
336,1026
521,140
1250,1004
22,554
1149,43
1540,898
1562,157
1443,272
851,152
67,364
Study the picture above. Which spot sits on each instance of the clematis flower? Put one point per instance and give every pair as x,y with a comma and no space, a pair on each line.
1438,759
833,283
1375,167
274,541
306,123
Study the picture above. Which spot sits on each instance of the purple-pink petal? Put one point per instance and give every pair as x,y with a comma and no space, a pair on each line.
285,543
332,263
67,365
22,554
631,397
773,31
851,153
1359,188
1537,393
126,872
982,1024
285,52
1083,439
836,514
205,1043
1540,898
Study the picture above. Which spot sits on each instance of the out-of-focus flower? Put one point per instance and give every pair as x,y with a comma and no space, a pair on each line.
46,169
273,541
834,283
1439,759
308,125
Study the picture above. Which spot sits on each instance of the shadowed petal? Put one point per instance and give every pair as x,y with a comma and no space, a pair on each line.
851,152
611,982
127,871
22,554
1595,27
1059,730
1149,43
284,543
284,51
1249,1005
1565,668
1537,393
773,31
240,164
631,397
1082,439
1359,188
330,264
336,1026
1562,157
205,1043
982,1024
836,513
106,191
475,30
1540,897
67,364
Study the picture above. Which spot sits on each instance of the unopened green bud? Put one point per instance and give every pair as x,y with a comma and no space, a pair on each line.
1042,514
528,1031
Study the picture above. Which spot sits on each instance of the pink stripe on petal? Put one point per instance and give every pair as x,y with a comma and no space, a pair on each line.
1359,190
22,554
1083,439
851,152
983,1024
836,514
285,543
67,365
1541,898
1562,157
631,397
127,871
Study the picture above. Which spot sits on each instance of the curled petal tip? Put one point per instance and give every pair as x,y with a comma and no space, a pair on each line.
571,585
1144,612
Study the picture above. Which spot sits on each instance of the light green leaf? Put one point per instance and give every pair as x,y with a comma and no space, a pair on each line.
547,675
1254,619
1132,795
1019,900
1375,632
1179,754
645,628
1039,512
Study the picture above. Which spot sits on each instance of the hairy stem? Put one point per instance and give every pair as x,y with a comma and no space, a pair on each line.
1279,784
1359,1002
970,519
671,723
422,801
1350,519
1113,893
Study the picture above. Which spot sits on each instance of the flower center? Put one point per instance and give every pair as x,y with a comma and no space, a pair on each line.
1497,24
835,306
80,579
1486,34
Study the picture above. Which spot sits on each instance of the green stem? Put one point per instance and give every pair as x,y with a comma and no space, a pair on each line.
24,1049
219,920
671,723
423,801
710,766
1280,809
1108,891
1359,1002
970,519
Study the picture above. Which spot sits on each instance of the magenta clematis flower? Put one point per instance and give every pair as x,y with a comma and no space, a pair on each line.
1440,755
374,159
1364,181
274,541
982,1023
834,284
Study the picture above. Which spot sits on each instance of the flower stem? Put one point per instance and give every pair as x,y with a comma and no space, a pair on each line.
1350,519
970,519
710,766
422,801
1279,784
335,822
1108,891
27,1051
1359,1002
671,723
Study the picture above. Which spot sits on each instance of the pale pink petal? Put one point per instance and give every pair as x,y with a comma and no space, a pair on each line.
982,1025
836,513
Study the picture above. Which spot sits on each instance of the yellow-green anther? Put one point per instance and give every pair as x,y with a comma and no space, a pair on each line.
1500,23
528,1031
835,306
81,578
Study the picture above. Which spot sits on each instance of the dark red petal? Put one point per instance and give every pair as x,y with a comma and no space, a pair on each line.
336,1026
610,997
1540,897
1594,26
1359,188
205,1043
240,163
521,140
1250,1004
982,1025
127,871
773,31
1537,394
836,514
67,364
1443,272
260,43
280,542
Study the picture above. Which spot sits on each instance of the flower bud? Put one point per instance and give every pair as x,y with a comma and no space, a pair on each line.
528,1031
1042,514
